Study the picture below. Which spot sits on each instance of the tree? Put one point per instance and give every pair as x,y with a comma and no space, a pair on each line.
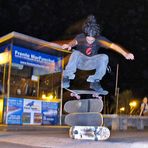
124,99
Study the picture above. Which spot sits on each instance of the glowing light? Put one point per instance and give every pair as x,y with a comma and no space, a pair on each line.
50,97
5,57
133,104
122,109
43,96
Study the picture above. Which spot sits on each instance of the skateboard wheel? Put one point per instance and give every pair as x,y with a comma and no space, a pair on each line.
71,94
96,96
93,95
75,132
100,97
78,97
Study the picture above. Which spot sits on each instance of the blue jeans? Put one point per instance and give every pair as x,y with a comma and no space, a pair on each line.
80,61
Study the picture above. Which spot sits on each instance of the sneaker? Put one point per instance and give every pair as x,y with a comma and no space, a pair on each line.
96,86
66,82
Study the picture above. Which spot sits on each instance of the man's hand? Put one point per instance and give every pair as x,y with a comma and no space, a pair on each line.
129,56
66,46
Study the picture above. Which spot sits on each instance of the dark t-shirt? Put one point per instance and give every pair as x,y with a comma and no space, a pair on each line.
89,49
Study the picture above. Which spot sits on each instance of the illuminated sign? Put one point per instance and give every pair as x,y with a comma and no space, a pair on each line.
32,58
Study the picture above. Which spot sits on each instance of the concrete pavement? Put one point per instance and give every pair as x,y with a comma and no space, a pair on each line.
60,139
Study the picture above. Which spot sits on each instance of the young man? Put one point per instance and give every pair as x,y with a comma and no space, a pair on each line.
144,107
86,57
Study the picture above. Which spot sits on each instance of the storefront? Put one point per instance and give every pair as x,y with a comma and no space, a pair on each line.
30,80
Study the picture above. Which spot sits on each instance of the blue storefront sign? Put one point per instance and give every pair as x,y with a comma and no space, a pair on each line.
32,58
50,113
15,111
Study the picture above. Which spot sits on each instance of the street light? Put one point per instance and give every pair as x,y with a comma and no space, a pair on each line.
50,97
122,109
132,105
5,57
43,96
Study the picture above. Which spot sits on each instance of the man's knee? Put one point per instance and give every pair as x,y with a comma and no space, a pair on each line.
104,57
76,52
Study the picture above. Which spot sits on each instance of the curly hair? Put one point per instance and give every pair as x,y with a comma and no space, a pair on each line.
90,27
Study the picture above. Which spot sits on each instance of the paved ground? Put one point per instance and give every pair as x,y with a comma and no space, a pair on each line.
60,139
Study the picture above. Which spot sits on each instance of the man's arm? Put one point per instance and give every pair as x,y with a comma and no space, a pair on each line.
119,49
70,44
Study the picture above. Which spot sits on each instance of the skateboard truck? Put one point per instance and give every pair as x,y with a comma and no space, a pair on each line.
77,93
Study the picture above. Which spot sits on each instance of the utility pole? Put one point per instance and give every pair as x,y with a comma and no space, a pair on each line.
117,99
116,84
117,89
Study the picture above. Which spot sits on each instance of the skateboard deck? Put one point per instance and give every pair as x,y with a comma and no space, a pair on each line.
77,93
84,119
89,132
84,105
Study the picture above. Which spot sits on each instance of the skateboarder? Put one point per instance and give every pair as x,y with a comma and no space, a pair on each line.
86,57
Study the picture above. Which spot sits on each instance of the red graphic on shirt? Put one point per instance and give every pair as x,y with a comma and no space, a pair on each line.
88,51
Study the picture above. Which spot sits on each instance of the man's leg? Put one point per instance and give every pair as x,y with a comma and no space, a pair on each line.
101,62
70,69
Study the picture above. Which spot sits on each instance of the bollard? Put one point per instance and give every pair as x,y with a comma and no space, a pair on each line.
123,123
115,123
140,124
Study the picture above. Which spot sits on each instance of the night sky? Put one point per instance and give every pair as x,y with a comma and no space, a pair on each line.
122,21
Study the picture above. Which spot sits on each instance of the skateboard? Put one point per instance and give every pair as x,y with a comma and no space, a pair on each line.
89,133
84,105
77,93
84,119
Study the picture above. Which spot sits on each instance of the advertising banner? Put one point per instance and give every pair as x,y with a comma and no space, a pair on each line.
50,113
32,112
33,58
15,111
27,111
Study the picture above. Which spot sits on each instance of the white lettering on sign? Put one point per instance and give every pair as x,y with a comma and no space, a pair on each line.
21,54
33,57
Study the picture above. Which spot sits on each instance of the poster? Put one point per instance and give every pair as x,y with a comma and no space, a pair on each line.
15,111
27,111
32,112
50,113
